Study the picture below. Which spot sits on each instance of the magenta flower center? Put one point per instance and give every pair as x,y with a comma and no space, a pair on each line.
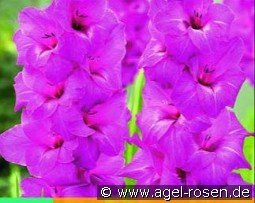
89,122
208,145
82,174
205,76
51,42
210,148
78,22
59,92
181,174
58,142
86,119
86,177
171,112
196,21
174,113
94,68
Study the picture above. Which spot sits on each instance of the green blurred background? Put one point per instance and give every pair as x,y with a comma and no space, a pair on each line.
10,174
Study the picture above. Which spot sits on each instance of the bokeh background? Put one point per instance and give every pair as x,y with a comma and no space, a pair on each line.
10,175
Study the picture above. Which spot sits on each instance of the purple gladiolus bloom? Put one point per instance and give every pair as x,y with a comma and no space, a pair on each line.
80,16
160,117
163,59
103,60
40,38
39,97
106,171
39,150
95,119
219,151
200,21
211,81
163,162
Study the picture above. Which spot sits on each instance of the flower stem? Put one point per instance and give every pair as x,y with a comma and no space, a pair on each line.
134,105
14,180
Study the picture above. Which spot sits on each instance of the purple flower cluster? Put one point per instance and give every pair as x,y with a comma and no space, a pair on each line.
74,114
190,135
77,55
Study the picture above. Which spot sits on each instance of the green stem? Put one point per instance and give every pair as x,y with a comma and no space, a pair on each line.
14,180
134,105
